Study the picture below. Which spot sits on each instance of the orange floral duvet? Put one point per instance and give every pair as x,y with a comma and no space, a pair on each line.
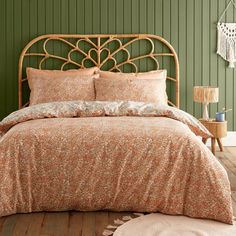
121,156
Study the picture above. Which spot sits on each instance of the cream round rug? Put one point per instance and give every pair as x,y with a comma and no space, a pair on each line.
166,225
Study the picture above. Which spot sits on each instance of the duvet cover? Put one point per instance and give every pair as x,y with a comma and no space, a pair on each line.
120,156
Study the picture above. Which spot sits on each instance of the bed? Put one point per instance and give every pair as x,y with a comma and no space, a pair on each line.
108,155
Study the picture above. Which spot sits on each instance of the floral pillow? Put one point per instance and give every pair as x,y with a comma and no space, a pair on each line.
54,85
141,87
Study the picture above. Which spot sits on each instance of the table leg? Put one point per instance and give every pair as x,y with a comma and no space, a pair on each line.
204,140
220,144
213,145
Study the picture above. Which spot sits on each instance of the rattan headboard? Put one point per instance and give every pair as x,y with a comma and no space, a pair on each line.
99,50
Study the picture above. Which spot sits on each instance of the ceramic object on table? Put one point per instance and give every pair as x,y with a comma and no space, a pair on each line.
220,116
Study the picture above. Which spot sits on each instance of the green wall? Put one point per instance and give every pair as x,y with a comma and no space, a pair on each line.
188,24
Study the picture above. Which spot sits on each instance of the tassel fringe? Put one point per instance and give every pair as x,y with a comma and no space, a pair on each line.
107,232
110,229
119,222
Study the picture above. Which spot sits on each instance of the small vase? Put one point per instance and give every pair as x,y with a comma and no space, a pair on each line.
220,116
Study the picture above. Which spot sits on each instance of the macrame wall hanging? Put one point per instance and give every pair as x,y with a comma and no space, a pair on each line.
226,46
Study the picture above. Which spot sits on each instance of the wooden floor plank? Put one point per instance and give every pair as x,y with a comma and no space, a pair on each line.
101,219
55,223
231,158
2,220
229,167
75,224
22,224
231,150
88,224
9,225
35,224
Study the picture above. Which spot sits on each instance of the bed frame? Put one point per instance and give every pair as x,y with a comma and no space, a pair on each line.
91,48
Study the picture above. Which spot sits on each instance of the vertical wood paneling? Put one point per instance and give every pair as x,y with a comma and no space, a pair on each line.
114,12
213,58
183,51
25,34
167,36
119,16
17,49
64,17
205,42
174,38
41,16
88,16
33,23
56,29
96,17
80,14
221,63
142,29
229,78
234,90
49,27
135,27
49,16
190,54
119,21
33,26
150,25
104,16
127,16
188,24
3,96
10,83
197,51
159,24
72,16
57,16
135,16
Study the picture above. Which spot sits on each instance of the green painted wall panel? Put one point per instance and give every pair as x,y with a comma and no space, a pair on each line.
96,17
213,43
3,94
197,50
190,55
10,55
104,16
183,51
174,38
80,17
229,78
188,24
222,66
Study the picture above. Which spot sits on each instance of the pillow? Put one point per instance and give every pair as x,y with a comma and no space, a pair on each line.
154,74
147,87
54,85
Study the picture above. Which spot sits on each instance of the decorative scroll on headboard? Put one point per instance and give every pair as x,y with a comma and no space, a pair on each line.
122,52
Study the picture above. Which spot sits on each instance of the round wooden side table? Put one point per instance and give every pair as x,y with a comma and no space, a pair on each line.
218,130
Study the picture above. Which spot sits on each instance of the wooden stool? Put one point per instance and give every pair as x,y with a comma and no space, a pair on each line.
218,130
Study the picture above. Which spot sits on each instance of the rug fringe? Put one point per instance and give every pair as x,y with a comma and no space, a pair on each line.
127,218
119,222
110,229
107,232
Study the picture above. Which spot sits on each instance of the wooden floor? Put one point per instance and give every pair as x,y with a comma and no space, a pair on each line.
89,223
